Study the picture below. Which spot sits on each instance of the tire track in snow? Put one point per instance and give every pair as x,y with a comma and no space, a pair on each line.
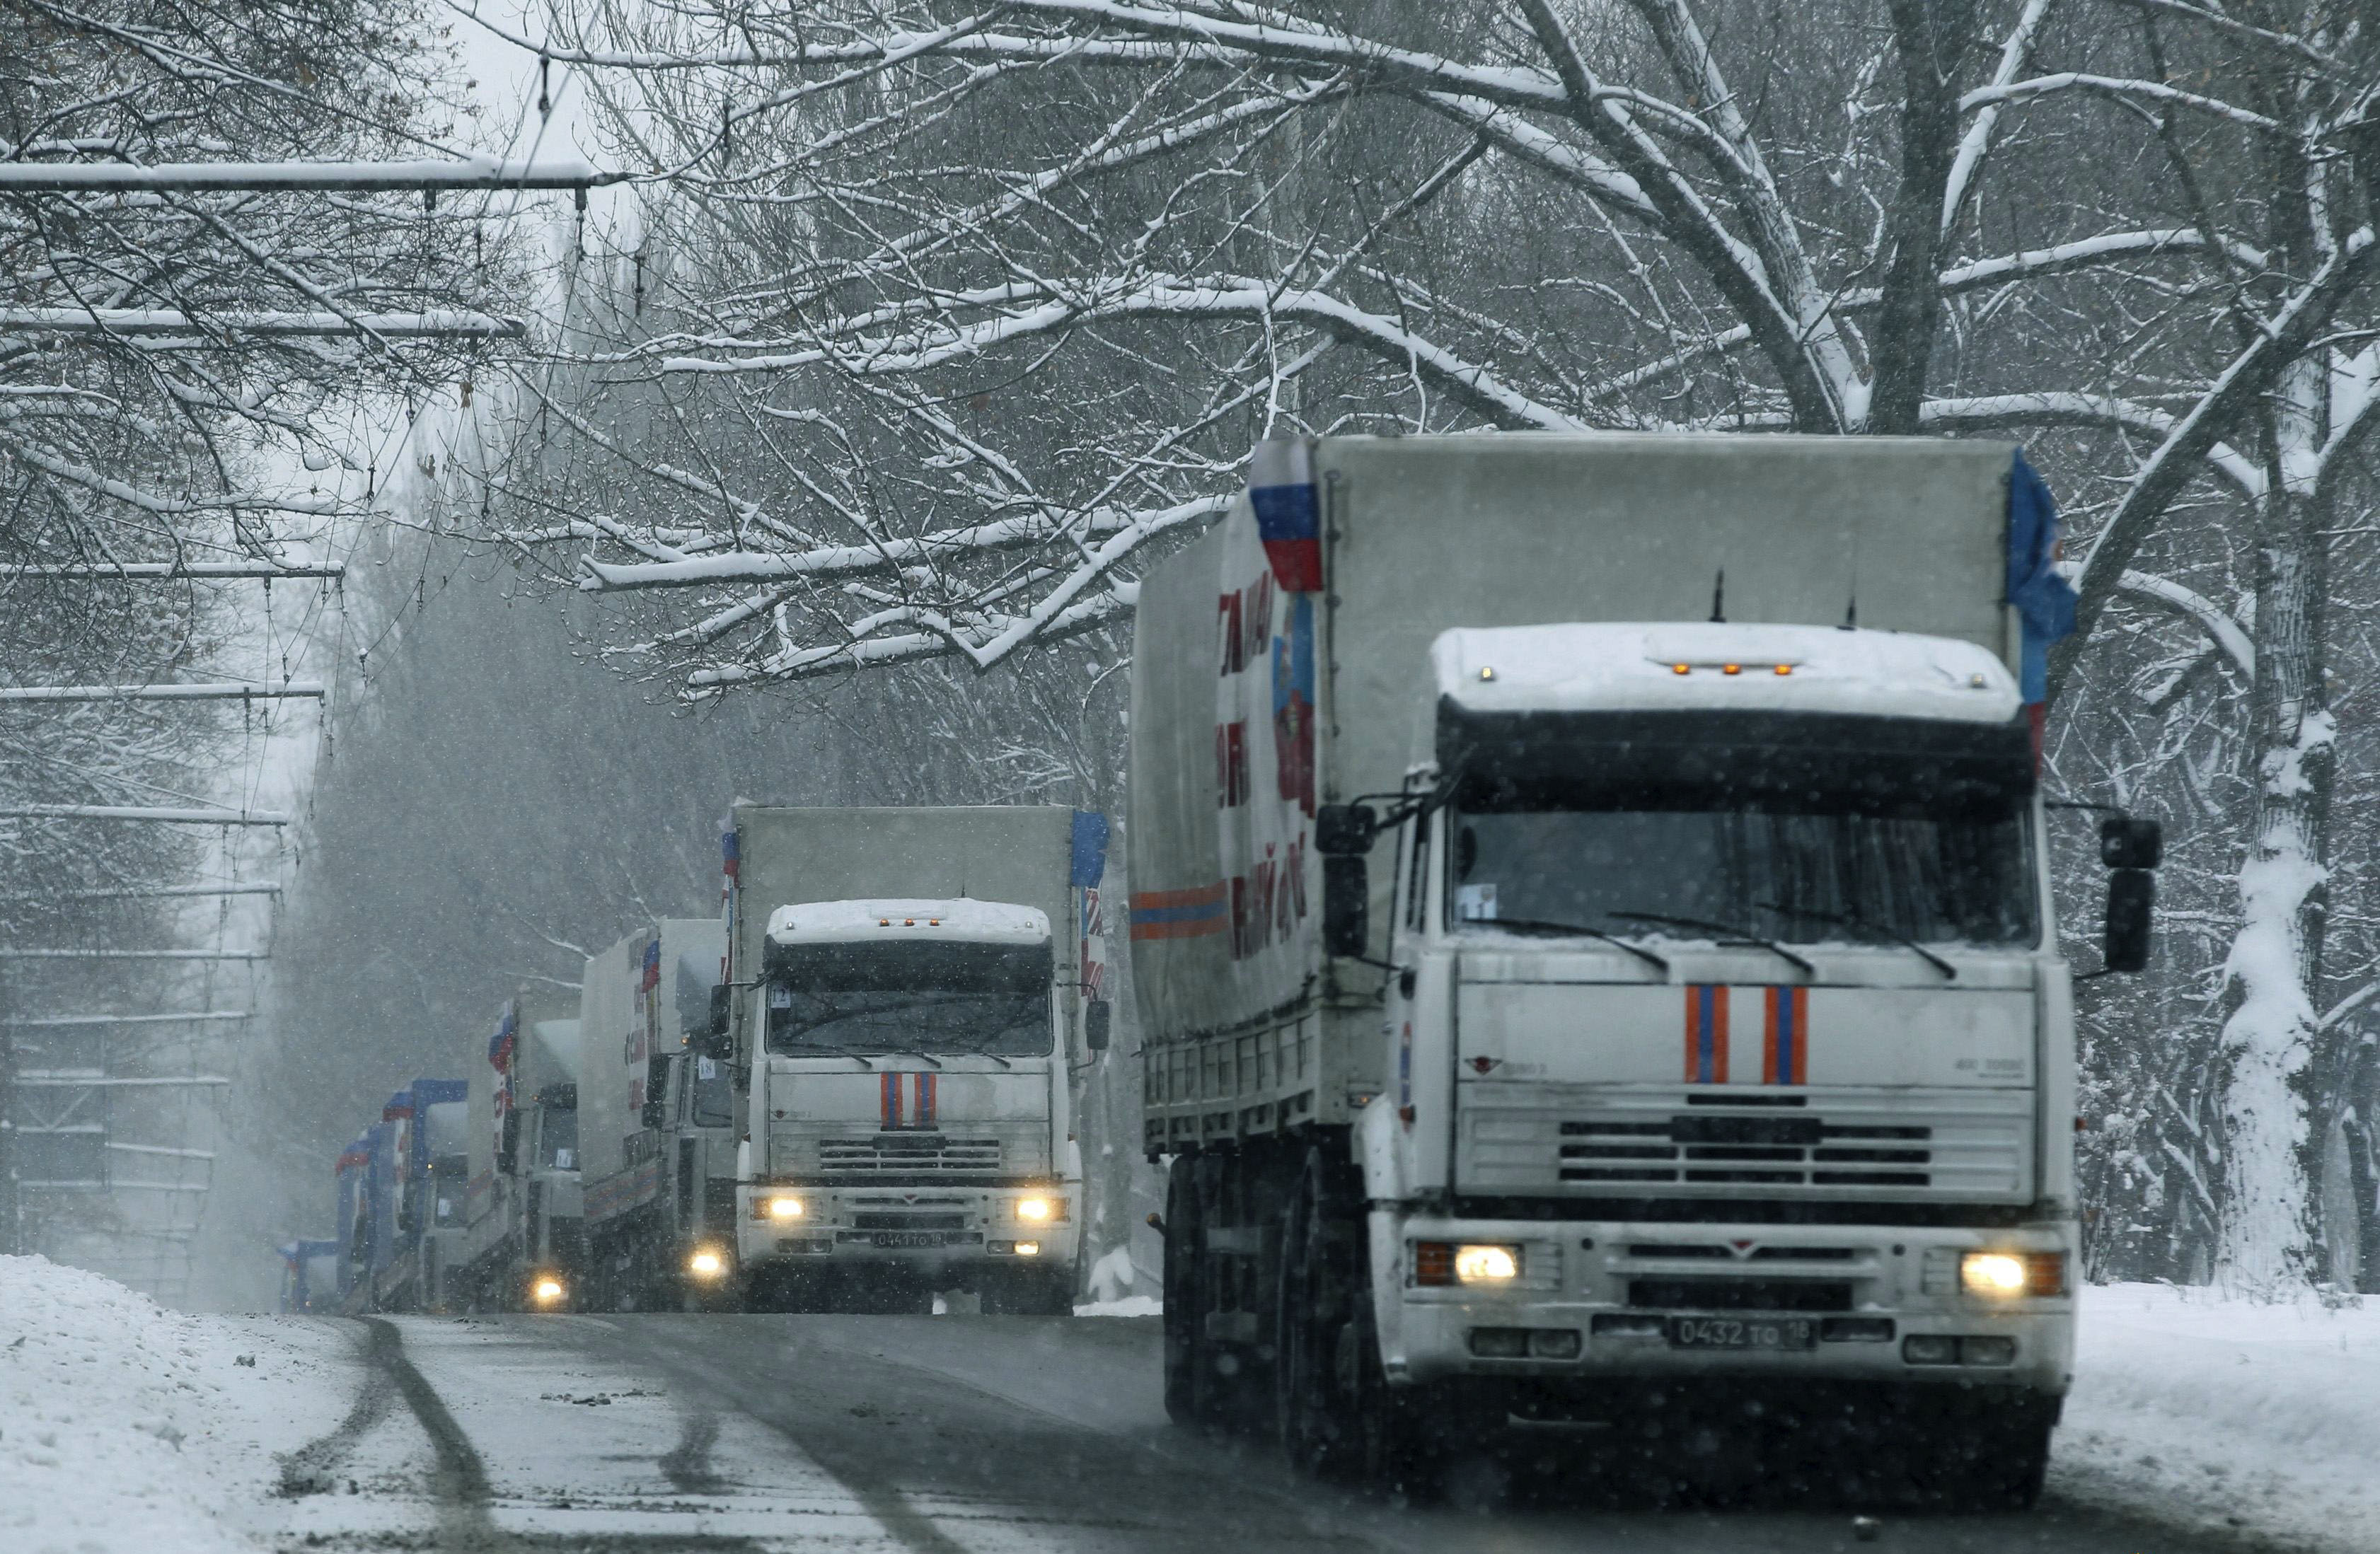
313,1468
460,1479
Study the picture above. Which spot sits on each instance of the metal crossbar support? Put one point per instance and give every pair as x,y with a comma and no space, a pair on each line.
12,955
69,1079
359,178
167,570
53,1021
162,1149
228,691
159,893
143,812
440,324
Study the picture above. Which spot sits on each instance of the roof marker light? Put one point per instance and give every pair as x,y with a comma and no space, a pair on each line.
1486,672
1784,669
883,922
908,922
1730,669
1682,669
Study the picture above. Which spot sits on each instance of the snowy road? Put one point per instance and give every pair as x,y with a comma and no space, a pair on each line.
956,1435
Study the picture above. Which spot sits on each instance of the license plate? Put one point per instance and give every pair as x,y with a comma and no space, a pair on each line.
1743,1332
892,1239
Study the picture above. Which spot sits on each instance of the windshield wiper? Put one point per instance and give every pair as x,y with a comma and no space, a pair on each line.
978,1052
783,1042
1744,936
1854,920
1537,925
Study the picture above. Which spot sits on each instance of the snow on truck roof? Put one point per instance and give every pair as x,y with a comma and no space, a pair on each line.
986,922
1658,666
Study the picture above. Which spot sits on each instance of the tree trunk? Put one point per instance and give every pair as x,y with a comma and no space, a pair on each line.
2271,1234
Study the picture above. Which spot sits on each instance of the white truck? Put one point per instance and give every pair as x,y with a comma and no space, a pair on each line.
1593,935
656,1120
912,990
525,1236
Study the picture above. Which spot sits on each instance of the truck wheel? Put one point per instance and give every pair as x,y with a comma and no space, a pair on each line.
1314,1392
1184,1345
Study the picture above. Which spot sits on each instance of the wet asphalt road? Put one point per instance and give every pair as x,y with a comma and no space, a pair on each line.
951,1435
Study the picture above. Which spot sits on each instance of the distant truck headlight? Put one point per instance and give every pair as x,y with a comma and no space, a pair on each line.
706,1263
2006,1275
546,1290
1487,1265
1040,1210
780,1207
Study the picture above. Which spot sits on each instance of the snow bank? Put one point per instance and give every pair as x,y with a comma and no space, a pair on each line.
2191,1404
126,1427
1129,1306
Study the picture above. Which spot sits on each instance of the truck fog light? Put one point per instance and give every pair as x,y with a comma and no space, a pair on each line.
1487,1265
1993,1351
1554,1343
546,1291
780,1207
1028,1248
1500,1343
1930,1349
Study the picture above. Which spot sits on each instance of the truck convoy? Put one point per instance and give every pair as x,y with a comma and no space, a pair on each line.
1592,930
1594,944
656,1121
908,998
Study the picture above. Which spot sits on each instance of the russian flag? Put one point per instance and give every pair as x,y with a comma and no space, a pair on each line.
652,969
729,855
500,1046
1289,515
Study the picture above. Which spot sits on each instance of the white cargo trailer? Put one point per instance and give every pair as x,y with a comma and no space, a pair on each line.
1593,934
656,1119
914,988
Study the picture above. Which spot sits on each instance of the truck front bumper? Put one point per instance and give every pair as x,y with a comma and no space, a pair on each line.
931,1228
1602,1300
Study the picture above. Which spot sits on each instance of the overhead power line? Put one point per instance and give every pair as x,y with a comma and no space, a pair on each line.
190,178
6,953
168,569
52,1022
224,692
143,812
436,325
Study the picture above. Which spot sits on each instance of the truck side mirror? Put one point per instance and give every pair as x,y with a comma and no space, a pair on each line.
2128,843
710,1041
1346,903
2131,896
1343,831
1096,1017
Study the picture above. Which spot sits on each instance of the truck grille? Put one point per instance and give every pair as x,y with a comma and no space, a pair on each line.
907,1154
908,1222
1839,1143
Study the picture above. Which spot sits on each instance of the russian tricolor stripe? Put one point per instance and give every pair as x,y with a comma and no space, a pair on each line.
1705,1032
1785,1046
1289,515
894,1098
1190,913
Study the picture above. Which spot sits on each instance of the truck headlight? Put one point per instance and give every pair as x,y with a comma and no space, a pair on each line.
1040,1210
546,1290
2006,1275
706,1263
1487,1265
779,1206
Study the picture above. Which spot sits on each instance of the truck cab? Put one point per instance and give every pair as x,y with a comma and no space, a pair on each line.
1726,954
908,1107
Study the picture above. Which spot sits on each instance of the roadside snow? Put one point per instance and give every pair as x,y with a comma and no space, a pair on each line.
126,1427
2190,1404
1131,1306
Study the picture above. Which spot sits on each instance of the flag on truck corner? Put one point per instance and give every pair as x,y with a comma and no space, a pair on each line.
500,1046
2044,599
1289,512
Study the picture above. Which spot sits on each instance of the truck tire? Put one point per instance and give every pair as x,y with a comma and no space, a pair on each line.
1184,1345
1315,1387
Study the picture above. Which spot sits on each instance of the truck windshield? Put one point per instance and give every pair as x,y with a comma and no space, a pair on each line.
1799,878
557,1137
917,996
